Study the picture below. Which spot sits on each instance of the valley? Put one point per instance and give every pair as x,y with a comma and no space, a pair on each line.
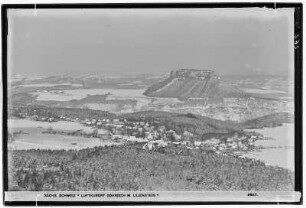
223,117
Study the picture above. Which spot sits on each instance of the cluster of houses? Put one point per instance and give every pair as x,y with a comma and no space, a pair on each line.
122,130
154,134
234,143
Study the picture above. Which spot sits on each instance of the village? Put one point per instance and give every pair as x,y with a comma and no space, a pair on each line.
152,134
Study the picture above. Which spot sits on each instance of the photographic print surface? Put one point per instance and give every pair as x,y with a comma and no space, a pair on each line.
151,101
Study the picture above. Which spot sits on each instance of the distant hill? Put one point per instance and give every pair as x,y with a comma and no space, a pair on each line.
56,112
18,99
193,83
179,122
57,79
200,125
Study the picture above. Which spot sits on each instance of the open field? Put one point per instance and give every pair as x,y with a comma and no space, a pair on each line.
262,91
33,138
50,85
116,100
60,125
82,93
55,142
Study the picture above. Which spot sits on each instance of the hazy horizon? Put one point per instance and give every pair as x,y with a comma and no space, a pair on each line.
150,41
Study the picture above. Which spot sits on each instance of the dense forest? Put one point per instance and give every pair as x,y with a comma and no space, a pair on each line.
21,99
129,167
202,125
196,124
276,119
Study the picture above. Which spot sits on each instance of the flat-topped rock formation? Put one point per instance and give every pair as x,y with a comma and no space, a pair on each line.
193,83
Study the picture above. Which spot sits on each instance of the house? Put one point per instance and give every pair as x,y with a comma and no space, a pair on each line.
222,146
212,141
149,146
142,140
116,136
186,142
230,139
251,142
148,135
187,134
159,143
177,136
233,145
197,143
176,144
162,128
103,132
131,138
51,119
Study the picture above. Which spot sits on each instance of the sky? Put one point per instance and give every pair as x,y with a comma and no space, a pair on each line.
149,41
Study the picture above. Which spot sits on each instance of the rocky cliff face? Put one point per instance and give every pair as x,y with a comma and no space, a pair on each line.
193,83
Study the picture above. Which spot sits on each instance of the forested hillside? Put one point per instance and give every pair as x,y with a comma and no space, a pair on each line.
276,119
56,112
129,167
180,122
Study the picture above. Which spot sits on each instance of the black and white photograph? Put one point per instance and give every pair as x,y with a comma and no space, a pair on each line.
152,103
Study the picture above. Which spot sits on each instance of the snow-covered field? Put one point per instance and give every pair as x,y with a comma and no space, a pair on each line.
112,94
101,106
50,141
262,91
51,85
279,149
33,138
60,125
78,94
20,77
282,135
